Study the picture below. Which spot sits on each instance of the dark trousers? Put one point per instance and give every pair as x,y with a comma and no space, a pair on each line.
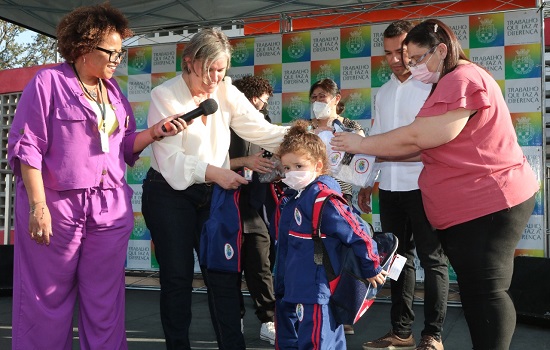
481,252
224,293
256,264
402,213
175,219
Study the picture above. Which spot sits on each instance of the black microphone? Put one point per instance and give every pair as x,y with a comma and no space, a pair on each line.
206,107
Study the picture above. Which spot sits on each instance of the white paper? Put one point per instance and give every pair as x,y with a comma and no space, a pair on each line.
397,266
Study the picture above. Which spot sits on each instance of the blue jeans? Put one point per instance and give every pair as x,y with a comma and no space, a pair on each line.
402,213
175,219
481,252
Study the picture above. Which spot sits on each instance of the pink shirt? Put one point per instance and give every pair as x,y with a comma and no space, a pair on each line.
481,171
55,130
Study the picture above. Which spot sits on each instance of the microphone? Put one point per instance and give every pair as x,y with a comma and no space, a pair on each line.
206,107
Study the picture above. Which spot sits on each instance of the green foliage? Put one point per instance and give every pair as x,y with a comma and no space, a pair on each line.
14,54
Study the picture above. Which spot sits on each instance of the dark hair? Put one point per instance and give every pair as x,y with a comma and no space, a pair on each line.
340,107
398,28
328,85
253,86
432,32
80,31
300,140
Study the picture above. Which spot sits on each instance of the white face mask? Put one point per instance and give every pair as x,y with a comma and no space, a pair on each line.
298,180
322,110
421,72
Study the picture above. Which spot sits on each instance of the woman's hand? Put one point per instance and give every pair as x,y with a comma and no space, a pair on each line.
40,223
258,163
378,279
228,179
347,141
168,126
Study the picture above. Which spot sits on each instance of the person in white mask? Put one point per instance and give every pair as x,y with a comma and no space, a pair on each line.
477,187
326,107
303,317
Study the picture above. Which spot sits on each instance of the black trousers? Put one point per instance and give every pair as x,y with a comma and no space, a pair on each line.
256,263
481,252
402,213
175,219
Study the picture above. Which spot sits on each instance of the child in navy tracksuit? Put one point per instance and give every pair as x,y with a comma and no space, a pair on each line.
303,317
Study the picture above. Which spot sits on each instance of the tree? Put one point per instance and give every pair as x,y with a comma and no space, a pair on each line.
13,54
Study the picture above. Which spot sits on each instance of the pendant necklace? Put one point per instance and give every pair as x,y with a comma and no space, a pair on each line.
102,131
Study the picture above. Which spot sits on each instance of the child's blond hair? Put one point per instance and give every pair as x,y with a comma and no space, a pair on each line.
301,141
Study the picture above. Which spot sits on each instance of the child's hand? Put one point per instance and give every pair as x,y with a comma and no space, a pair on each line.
378,279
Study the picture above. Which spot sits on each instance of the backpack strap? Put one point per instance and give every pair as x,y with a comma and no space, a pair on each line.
320,254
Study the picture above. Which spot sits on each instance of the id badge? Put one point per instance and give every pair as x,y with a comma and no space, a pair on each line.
104,141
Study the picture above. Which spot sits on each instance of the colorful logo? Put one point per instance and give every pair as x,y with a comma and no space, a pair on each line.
228,251
272,73
141,110
295,106
139,60
362,165
297,216
296,47
325,69
355,42
136,174
528,128
140,230
243,52
300,312
355,106
381,71
486,31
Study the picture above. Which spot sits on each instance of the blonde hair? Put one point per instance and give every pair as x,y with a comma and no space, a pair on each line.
299,140
207,46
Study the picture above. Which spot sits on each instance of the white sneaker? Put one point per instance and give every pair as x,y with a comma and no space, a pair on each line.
267,332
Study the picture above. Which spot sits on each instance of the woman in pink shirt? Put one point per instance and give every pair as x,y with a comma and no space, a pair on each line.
477,187
72,136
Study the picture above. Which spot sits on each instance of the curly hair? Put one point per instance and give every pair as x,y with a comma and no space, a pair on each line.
253,86
83,29
299,140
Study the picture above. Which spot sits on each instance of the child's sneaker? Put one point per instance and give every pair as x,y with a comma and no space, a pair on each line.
267,332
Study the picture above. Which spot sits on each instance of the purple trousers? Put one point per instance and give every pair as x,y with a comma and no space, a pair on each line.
84,262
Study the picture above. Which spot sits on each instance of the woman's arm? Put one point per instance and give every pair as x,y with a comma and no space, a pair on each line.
39,216
423,133
155,133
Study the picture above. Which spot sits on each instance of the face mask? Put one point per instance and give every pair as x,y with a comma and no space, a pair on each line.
322,110
421,73
298,180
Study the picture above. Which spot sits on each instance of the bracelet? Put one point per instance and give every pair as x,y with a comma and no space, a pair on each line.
33,206
33,209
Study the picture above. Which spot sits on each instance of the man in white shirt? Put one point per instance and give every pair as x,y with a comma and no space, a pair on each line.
401,210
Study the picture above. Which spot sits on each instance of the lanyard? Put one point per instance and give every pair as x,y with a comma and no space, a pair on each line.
101,106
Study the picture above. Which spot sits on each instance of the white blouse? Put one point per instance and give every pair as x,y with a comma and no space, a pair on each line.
182,159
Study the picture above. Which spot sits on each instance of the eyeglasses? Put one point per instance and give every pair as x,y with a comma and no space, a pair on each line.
264,102
414,63
113,55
